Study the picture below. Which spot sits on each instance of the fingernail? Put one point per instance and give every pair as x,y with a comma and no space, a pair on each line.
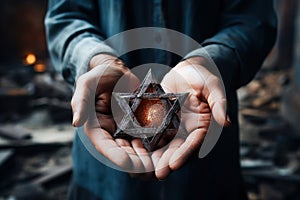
75,119
228,121
219,113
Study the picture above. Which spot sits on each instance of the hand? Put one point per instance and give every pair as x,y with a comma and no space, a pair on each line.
206,99
91,106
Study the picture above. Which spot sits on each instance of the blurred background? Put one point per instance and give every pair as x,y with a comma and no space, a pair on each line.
35,114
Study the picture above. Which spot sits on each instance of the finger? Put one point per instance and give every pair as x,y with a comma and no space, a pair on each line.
195,104
156,155
193,121
215,96
83,100
87,87
105,144
146,160
187,148
143,154
218,109
137,164
162,169
213,91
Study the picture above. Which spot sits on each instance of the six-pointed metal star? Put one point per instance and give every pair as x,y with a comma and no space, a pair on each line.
159,111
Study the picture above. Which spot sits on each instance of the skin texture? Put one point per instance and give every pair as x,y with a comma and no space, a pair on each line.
206,99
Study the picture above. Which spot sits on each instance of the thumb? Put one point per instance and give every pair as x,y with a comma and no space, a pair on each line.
219,112
82,100
214,93
216,98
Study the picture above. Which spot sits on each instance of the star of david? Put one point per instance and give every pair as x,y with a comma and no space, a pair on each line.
149,112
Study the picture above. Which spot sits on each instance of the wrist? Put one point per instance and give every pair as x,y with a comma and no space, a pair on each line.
197,60
101,59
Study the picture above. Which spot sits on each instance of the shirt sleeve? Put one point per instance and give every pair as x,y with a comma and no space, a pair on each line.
246,34
73,36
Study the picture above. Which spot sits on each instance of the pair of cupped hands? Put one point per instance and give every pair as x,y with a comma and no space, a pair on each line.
91,105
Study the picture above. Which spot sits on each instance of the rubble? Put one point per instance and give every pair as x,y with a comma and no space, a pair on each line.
35,136
269,146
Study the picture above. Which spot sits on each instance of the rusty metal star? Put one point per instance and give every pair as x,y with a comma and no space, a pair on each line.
149,112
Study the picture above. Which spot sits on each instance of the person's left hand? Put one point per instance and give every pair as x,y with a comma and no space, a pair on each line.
206,99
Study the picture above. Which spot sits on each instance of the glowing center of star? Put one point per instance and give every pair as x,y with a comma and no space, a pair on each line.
150,113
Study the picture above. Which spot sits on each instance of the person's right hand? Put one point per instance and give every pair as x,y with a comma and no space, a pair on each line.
91,105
